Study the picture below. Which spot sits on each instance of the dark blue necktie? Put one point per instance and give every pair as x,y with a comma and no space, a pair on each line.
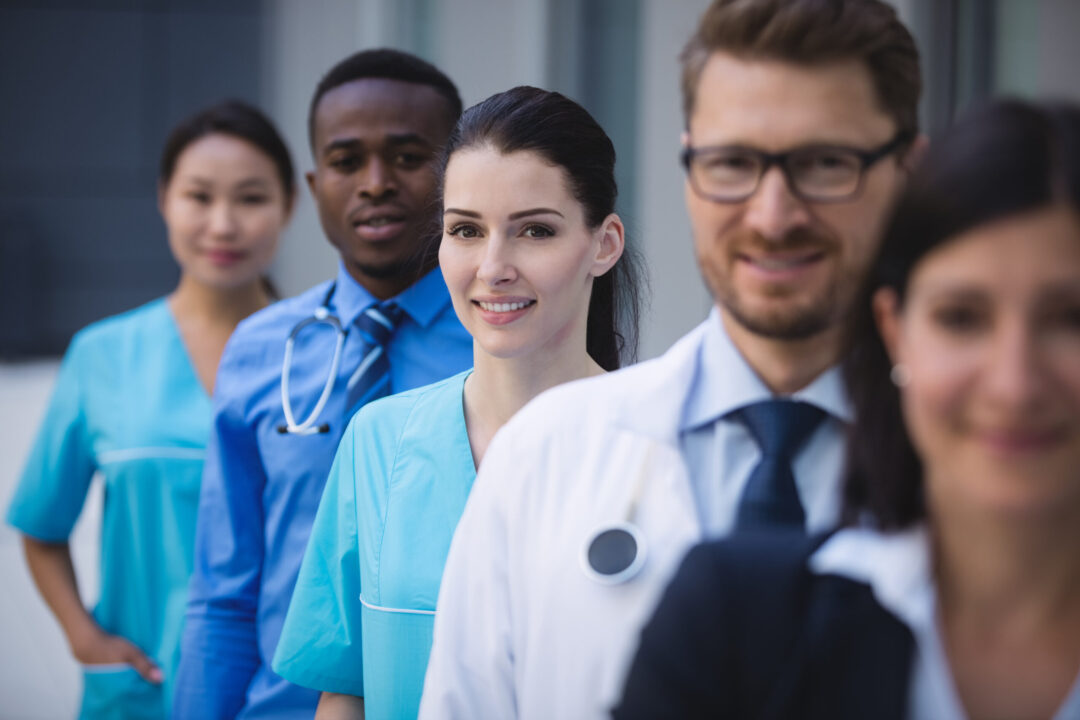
780,428
371,379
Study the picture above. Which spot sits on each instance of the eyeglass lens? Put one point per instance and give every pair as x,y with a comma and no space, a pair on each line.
815,171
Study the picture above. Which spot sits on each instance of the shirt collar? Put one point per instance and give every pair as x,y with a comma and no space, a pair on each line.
725,382
896,566
422,301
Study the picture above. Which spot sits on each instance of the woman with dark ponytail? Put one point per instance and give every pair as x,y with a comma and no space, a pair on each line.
538,270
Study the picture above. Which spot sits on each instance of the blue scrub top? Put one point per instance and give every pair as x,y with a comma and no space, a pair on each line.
129,405
261,488
361,617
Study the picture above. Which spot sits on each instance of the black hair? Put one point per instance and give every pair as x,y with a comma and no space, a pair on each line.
1006,159
528,119
386,64
236,118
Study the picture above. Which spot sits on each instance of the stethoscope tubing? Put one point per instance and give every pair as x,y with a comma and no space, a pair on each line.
322,315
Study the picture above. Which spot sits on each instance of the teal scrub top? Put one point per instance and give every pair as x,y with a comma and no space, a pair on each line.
361,616
127,405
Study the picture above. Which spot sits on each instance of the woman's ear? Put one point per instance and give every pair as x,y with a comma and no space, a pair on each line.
886,308
610,248
161,190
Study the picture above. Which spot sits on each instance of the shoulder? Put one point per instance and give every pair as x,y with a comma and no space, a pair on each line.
589,406
287,312
752,561
112,333
387,418
259,339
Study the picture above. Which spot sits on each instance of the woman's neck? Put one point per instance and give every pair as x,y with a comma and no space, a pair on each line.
498,388
206,317
223,307
990,565
1009,609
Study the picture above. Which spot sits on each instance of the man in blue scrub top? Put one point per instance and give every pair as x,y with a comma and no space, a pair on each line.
376,121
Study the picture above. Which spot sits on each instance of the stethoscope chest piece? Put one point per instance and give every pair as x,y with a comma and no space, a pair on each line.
614,554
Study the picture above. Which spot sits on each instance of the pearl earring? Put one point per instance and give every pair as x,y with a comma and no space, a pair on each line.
900,375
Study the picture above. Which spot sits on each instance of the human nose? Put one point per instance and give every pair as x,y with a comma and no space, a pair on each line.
1014,374
773,210
378,180
496,266
222,220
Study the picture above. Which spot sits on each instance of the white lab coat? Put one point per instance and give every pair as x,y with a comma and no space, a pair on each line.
520,630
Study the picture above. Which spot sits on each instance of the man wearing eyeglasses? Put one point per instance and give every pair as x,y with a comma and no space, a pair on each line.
800,128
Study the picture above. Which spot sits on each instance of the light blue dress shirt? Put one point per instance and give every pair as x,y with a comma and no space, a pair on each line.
720,453
362,615
261,488
127,405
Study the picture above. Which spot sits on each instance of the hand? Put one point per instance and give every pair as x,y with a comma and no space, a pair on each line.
97,647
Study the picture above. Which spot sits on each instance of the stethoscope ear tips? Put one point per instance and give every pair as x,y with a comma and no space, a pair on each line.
614,554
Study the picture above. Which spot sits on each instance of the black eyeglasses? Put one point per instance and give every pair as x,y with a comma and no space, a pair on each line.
815,173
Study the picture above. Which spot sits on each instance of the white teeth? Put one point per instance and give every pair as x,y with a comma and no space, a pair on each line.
503,307
774,264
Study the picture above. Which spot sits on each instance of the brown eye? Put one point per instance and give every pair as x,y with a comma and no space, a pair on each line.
538,231
346,163
410,160
959,318
464,231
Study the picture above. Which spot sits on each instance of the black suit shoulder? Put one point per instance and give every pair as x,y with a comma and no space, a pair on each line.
746,630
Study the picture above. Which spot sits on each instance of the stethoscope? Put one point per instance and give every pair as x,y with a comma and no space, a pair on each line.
323,316
614,554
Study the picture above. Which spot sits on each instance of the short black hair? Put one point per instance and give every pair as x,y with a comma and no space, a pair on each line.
387,64
1003,160
236,118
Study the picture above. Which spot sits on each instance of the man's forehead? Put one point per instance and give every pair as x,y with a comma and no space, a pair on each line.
378,107
776,104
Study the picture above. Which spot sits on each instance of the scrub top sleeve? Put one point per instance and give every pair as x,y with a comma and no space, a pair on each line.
676,671
320,645
57,475
471,670
219,651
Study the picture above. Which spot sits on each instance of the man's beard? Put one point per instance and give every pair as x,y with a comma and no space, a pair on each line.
794,322
790,324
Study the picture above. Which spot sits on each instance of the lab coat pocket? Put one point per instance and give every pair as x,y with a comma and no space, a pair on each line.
118,692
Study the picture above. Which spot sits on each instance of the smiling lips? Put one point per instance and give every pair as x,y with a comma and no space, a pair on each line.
502,313
378,225
224,257
779,267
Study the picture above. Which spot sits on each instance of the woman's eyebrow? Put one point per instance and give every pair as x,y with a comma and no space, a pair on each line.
534,211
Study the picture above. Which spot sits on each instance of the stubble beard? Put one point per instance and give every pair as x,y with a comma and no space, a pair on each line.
792,320
795,323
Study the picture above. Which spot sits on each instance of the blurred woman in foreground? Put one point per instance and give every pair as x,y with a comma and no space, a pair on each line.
954,591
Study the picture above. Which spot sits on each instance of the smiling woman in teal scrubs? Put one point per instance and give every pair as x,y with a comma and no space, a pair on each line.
533,255
132,402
